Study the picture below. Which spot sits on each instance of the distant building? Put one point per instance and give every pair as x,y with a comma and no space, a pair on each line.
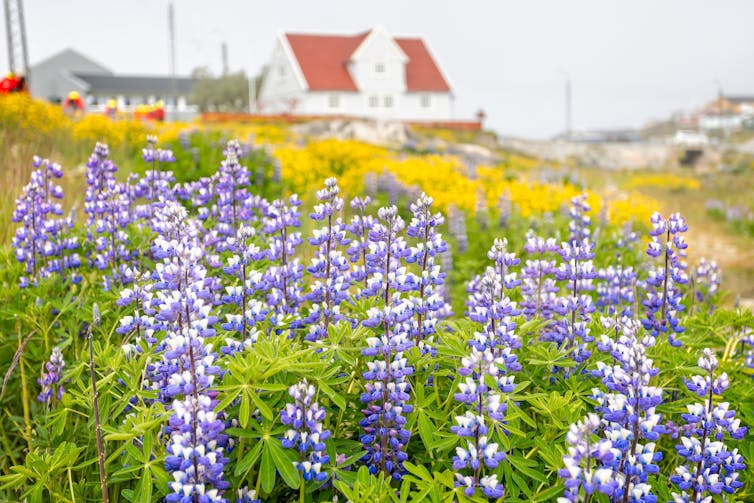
69,70
728,113
372,74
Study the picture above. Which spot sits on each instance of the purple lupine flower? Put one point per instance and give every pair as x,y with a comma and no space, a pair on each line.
283,279
186,373
663,300
429,306
359,227
251,310
108,206
156,185
705,282
231,188
457,228
52,388
476,453
710,467
504,209
329,265
577,273
629,418
579,227
538,287
43,242
616,290
583,473
490,306
386,391
140,321
246,495
306,434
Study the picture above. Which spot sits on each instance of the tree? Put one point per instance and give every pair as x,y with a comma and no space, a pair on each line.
228,93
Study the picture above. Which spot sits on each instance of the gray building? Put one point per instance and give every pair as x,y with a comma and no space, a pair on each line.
69,70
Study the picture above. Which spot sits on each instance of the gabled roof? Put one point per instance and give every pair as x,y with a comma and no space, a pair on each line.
117,84
323,60
422,73
72,59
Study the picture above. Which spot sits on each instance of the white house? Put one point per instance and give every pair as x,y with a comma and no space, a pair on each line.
372,74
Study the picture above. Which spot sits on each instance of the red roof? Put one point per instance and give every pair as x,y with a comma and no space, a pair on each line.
323,61
422,73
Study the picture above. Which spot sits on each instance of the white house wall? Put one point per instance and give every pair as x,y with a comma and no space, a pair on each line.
379,50
281,87
406,106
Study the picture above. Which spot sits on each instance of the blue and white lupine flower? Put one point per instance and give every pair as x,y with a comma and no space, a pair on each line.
710,467
387,390
247,310
663,300
43,242
485,364
577,273
186,373
52,388
584,472
538,289
156,186
579,226
107,204
306,433
283,278
629,418
705,281
457,228
616,290
359,227
429,306
329,266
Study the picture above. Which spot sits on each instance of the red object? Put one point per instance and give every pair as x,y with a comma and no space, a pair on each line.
9,84
422,73
323,59
158,114
74,103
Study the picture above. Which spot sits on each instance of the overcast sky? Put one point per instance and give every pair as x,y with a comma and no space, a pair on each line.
629,62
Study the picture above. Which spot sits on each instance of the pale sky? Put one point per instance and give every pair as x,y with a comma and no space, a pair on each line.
629,61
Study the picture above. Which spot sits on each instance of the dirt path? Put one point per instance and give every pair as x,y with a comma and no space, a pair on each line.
733,253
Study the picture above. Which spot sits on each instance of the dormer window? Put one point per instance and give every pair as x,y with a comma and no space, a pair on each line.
379,67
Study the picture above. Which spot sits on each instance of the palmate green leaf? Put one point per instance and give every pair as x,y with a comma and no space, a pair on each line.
336,397
284,459
249,460
267,470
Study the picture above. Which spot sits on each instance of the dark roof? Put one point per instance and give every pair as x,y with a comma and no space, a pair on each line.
740,99
122,84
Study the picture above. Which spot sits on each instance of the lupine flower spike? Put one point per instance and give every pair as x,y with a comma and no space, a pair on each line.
329,266
663,300
304,418
711,467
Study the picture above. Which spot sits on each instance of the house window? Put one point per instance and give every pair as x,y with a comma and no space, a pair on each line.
374,102
281,71
388,101
425,101
334,101
379,67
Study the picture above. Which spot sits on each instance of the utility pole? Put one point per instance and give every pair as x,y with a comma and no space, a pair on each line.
224,49
15,30
171,32
568,123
